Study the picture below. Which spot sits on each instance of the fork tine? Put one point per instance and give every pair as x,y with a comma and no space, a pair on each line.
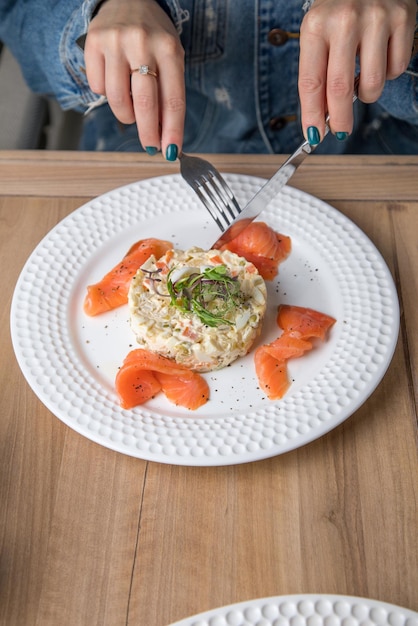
209,204
232,204
211,189
217,197
215,204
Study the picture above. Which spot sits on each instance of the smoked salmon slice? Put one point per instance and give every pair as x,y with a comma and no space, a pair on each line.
135,385
144,373
190,392
112,290
288,345
308,322
261,246
271,373
300,327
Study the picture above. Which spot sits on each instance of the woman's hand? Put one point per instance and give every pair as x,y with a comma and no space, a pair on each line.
124,35
333,32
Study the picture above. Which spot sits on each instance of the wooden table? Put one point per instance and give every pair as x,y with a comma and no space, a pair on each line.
89,536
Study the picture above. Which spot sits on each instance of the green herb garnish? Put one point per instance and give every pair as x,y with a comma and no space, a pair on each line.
210,294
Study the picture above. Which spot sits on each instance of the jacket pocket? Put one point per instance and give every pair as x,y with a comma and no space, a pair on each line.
202,27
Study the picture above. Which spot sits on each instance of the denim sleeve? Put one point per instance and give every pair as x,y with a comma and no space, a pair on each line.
42,34
400,96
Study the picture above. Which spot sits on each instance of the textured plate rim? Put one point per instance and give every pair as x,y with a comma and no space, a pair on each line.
282,607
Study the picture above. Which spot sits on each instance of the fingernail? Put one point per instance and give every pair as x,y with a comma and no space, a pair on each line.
171,152
313,136
341,136
151,150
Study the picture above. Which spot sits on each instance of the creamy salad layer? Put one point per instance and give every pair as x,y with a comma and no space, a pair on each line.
204,309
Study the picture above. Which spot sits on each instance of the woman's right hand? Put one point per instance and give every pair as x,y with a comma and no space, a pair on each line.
124,35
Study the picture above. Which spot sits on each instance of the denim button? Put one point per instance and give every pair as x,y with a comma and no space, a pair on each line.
278,123
278,37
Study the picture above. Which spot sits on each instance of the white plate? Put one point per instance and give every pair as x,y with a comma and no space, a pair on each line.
70,360
306,610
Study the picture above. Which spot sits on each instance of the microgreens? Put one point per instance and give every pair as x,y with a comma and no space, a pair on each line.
209,294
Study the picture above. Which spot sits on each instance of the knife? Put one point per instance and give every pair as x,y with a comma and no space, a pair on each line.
272,187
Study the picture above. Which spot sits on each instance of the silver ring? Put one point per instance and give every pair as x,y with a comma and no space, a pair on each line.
144,69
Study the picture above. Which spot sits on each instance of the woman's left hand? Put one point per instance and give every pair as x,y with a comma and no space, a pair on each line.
333,33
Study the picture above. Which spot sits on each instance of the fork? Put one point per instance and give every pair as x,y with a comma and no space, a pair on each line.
211,188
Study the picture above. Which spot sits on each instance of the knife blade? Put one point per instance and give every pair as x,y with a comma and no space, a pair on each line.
264,196
273,186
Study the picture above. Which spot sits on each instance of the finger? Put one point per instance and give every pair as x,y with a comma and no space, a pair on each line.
144,89
173,110
373,62
340,85
399,50
313,62
118,88
95,67
172,101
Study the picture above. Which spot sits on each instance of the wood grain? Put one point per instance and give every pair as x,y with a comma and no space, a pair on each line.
92,537
90,174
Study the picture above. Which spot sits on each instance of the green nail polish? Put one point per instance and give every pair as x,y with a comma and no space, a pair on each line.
151,150
313,136
171,152
341,136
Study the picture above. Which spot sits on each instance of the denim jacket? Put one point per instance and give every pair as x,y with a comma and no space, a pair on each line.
241,77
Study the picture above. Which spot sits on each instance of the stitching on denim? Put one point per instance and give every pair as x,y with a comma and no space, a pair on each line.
206,37
178,14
